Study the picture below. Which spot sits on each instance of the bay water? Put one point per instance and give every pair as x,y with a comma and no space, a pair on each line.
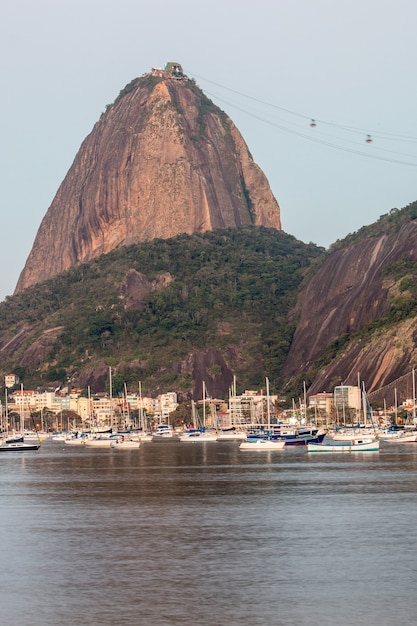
206,534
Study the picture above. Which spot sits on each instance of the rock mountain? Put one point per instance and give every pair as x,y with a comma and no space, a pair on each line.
358,312
164,164
161,161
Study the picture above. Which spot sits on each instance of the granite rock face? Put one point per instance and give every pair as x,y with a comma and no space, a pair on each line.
163,160
349,292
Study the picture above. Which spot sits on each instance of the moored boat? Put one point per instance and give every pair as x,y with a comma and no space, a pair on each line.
75,441
356,445
123,443
145,436
19,447
197,436
262,444
98,442
231,434
399,436
349,433
164,432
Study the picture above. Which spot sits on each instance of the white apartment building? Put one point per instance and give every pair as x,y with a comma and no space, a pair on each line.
168,403
347,396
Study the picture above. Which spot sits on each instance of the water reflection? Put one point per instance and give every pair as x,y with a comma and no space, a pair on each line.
205,534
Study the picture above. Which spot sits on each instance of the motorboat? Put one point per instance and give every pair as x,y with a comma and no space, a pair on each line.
164,432
299,436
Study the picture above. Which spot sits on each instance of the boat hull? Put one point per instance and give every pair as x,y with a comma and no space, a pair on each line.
303,440
262,444
366,446
400,438
239,436
98,443
125,445
196,437
19,447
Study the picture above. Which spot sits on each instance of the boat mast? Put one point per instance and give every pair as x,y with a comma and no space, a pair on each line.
6,408
364,405
111,399
305,402
141,420
89,407
204,405
126,412
414,396
22,419
268,408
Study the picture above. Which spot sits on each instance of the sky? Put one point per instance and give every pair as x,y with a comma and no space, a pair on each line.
271,65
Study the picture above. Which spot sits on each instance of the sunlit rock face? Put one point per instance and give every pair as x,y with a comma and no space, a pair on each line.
162,160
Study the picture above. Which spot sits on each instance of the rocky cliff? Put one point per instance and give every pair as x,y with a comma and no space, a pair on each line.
161,161
350,293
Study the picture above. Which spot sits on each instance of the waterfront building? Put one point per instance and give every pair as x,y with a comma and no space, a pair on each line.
347,396
168,402
322,404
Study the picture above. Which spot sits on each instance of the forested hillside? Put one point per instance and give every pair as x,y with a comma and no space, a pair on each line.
170,313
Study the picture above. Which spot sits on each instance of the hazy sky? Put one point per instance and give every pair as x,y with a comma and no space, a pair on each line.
271,65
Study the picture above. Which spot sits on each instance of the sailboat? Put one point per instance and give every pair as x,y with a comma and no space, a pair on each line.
409,434
362,443
262,442
198,434
123,442
18,444
354,446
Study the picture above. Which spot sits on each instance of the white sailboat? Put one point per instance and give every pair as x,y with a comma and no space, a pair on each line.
197,434
353,446
17,443
264,443
408,435
362,442
123,442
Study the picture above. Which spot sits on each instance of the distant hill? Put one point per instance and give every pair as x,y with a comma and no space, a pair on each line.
169,313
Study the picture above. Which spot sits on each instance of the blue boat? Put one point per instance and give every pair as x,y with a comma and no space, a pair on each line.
300,436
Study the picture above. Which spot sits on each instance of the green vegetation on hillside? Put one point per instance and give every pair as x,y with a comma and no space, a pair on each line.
228,290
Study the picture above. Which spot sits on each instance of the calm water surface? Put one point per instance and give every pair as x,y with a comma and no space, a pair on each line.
204,534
